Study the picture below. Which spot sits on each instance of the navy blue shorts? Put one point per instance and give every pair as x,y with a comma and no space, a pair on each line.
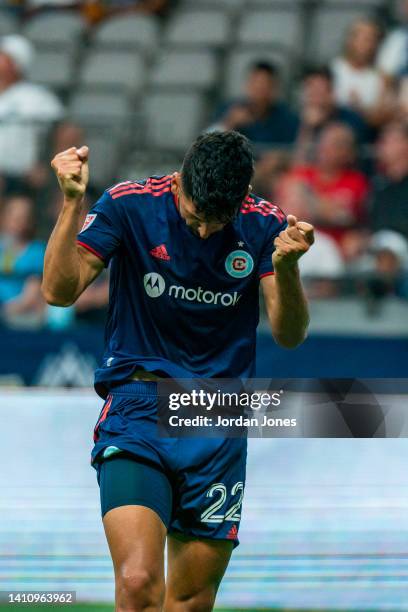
195,485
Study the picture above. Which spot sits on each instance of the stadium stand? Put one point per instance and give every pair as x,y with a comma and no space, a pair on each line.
54,69
172,119
278,27
209,28
189,69
128,32
55,29
121,70
93,108
228,5
141,87
8,23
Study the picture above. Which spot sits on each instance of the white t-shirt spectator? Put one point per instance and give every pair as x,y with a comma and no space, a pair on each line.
366,83
26,111
324,260
393,56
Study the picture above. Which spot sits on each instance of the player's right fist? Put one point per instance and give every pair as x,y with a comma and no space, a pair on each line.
71,168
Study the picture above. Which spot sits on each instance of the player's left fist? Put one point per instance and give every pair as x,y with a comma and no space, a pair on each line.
292,243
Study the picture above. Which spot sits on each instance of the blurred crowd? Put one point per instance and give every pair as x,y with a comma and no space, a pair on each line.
337,156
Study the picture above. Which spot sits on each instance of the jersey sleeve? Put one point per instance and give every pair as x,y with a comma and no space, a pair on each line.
101,233
277,224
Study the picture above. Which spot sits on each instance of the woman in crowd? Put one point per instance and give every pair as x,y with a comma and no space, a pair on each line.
358,82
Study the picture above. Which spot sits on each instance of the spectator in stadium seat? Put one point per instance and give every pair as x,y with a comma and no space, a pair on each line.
393,55
260,114
21,260
26,112
358,83
382,269
389,201
330,193
390,269
318,109
324,269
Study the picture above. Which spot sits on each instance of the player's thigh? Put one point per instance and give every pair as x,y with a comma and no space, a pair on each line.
136,505
136,537
195,569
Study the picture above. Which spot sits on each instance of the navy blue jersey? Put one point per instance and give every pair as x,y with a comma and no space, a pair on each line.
179,306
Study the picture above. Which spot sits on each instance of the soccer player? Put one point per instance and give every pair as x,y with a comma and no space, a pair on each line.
187,253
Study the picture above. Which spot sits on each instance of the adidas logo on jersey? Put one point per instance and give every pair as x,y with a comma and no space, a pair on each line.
232,533
160,252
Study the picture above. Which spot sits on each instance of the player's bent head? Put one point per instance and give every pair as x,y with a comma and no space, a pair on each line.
216,174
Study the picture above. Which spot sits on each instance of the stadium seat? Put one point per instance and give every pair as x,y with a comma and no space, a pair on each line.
195,69
209,28
239,60
226,5
355,3
275,4
53,69
141,164
56,29
128,31
93,108
8,23
328,30
104,157
114,70
266,27
173,120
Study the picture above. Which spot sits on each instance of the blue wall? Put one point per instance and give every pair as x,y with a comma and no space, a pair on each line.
334,357
26,354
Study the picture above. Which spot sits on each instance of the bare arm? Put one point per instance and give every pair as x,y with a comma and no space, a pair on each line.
285,301
68,267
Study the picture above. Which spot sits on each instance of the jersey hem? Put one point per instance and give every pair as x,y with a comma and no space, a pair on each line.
266,274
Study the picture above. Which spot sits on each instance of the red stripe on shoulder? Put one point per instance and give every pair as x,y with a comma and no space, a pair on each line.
119,185
151,182
88,248
156,188
141,192
168,177
262,207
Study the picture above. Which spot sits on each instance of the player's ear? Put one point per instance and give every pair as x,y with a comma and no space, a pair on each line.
176,183
249,189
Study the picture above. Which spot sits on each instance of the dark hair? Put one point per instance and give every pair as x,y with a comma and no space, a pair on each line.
323,72
263,66
216,174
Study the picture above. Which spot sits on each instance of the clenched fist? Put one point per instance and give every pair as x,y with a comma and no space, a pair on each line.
292,243
71,168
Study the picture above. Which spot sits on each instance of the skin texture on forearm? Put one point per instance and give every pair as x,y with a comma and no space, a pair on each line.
62,263
287,307
68,269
